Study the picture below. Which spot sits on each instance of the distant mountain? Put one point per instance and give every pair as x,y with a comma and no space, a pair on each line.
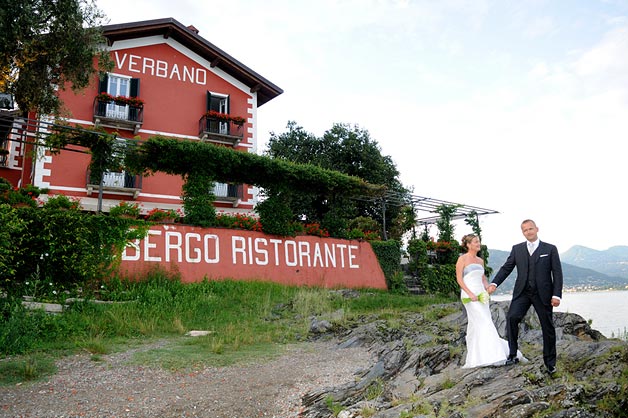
574,277
613,261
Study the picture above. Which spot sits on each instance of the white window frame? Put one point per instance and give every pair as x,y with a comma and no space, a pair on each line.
116,111
223,127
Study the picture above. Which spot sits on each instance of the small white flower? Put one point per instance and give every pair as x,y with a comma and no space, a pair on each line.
27,283
54,292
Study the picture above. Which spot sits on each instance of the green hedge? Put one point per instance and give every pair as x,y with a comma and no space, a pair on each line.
45,251
439,278
437,275
389,256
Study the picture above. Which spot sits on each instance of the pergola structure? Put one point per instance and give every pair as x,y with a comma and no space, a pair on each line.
425,207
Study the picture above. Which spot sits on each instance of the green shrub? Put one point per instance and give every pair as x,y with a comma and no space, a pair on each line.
11,237
276,217
440,279
335,222
63,249
61,201
125,209
417,255
389,256
14,196
198,200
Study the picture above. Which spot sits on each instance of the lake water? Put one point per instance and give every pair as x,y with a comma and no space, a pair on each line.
608,310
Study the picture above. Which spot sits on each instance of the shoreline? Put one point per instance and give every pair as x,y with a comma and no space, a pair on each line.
612,321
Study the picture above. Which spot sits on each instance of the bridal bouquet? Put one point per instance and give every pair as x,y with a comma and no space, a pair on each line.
482,297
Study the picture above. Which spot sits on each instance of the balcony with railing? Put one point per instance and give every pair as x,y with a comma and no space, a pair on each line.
119,182
118,112
231,193
221,128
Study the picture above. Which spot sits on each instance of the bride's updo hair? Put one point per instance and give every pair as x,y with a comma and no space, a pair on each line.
466,240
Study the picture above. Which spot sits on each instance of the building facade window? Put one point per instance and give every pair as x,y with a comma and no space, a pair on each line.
219,103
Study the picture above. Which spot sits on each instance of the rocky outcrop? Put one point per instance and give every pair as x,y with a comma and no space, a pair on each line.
418,371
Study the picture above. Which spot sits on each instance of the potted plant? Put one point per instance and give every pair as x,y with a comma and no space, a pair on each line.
120,100
223,117
163,215
125,210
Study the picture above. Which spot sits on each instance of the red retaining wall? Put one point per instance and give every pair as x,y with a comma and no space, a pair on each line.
218,253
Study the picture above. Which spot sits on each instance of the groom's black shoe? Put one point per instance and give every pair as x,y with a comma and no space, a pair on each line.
511,360
552,370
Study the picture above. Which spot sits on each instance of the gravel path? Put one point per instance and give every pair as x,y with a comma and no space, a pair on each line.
113,388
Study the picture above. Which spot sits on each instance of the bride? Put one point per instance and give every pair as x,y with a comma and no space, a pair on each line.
484,345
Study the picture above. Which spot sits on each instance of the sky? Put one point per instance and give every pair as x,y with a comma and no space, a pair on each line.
515,106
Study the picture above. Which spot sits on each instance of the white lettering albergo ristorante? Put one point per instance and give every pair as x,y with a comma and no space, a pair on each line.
192,247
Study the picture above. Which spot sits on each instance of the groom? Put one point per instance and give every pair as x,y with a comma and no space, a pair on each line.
539,283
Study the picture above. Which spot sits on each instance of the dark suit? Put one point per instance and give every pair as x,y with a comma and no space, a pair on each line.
539,277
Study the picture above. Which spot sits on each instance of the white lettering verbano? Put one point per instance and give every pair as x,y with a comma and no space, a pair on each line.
159,68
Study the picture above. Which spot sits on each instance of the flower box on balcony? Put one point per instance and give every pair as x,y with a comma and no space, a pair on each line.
128,112
223,117
120,100
221,128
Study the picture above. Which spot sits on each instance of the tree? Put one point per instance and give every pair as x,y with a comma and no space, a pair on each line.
47,45
350,150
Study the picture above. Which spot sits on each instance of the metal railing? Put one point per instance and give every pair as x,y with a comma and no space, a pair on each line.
214,129
108,113
228,191
115,181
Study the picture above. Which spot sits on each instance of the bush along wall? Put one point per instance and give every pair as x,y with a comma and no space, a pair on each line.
46,252
389,256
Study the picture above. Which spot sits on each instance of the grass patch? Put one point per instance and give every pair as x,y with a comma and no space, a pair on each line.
246,319
198,352
26,369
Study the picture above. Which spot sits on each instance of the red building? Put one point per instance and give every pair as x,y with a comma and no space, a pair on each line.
167,80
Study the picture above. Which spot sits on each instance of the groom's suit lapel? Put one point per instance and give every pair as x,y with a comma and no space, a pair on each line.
539,250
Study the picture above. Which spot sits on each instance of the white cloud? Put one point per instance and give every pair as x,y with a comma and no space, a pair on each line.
608,60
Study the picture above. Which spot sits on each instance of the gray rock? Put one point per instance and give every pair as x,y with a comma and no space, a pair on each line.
419,368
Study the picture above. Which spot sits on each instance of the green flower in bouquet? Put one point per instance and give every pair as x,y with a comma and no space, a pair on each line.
482,297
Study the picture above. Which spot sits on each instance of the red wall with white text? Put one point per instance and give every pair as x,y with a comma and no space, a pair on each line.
218,253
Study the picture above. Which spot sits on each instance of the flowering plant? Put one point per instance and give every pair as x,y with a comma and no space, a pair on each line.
125,209
357,233
120,100
61,201
237,120
482,297
439,245
20,196
157,214
239,221
316,230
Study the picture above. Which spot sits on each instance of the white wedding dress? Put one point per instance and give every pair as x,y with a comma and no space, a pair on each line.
484,345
